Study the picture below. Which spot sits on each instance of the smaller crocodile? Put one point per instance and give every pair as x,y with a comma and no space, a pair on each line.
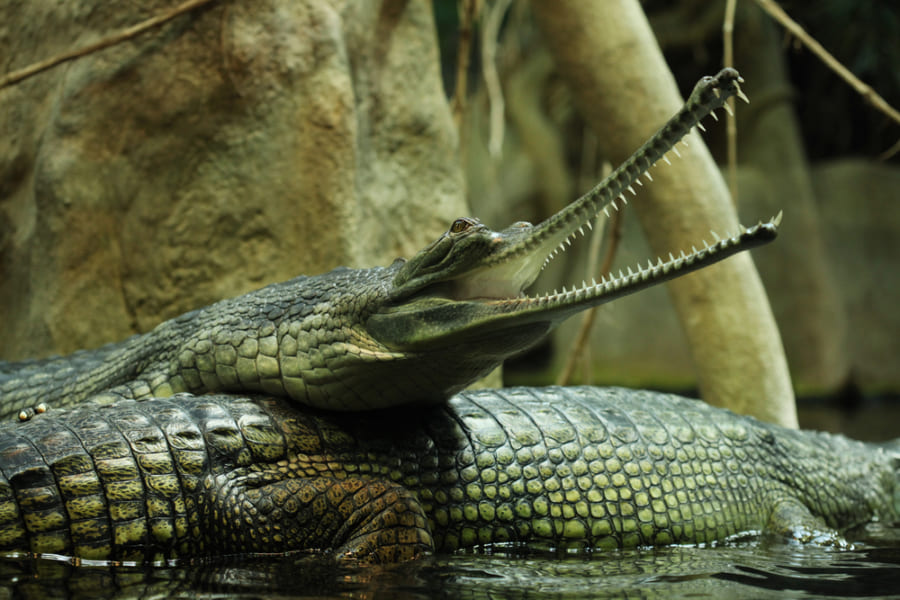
574,468
413,332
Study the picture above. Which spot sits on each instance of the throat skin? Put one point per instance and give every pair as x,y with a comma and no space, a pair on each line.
417,331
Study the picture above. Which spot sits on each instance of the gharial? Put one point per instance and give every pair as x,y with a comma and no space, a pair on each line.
558,468
353,339
200,476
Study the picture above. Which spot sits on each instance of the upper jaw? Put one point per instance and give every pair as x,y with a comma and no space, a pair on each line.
558,231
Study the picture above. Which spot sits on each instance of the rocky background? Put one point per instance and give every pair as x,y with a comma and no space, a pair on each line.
242,144
246,143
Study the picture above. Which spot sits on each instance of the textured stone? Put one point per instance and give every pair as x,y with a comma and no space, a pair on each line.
237,145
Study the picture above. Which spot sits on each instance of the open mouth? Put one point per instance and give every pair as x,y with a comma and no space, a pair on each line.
519,253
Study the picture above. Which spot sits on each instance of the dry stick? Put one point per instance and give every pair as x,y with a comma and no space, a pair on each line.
468,9
731,121
489,34
580,344
121,36
587,174
864,90
587,322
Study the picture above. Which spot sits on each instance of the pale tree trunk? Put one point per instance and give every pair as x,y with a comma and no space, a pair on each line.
624,89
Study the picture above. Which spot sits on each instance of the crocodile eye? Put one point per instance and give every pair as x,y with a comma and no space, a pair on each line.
460,225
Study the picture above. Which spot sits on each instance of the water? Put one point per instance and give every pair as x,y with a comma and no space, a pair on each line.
749,569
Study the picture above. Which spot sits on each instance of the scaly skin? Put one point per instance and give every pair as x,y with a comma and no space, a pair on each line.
416,331
560,467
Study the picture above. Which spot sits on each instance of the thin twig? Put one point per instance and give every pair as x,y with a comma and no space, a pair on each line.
731,121
116,38
489,34
890,151
468,10
777,13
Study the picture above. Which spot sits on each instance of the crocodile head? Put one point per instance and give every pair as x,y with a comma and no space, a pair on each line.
462,300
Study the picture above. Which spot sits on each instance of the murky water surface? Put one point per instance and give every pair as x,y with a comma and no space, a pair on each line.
756,569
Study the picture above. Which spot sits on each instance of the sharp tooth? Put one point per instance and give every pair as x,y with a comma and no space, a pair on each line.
693,249
621,275
630,272
590,225
728,109
555,293
614,205
705,245
700,126
715,235
660,263
671,258
675,150
714,115
682,254
777,220
581,230
606,212
740,94
593,282
666,158
623,199
684,141
649,178
639,182
603,280
649,265
631,189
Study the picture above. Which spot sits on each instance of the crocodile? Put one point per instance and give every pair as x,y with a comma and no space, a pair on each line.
558,468
417,331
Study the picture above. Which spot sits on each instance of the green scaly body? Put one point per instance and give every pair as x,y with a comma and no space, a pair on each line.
556,467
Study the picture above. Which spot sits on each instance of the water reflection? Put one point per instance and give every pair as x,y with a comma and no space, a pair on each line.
742,570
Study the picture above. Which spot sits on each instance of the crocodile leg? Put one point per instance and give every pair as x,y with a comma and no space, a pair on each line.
368,521
791,520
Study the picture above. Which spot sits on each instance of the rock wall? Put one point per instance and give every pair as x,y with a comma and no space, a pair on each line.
243,143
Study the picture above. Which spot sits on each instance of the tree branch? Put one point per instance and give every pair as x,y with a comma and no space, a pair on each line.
777,13
121,36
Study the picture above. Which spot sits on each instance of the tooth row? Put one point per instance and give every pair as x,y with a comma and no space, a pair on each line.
568,241
611,282
563,245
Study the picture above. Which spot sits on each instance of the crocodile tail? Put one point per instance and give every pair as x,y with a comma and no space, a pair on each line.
892,449
61,381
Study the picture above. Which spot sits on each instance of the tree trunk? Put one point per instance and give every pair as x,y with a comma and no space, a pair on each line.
607,52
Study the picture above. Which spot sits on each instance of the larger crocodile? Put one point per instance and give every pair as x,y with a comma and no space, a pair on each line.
580,467
415,331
